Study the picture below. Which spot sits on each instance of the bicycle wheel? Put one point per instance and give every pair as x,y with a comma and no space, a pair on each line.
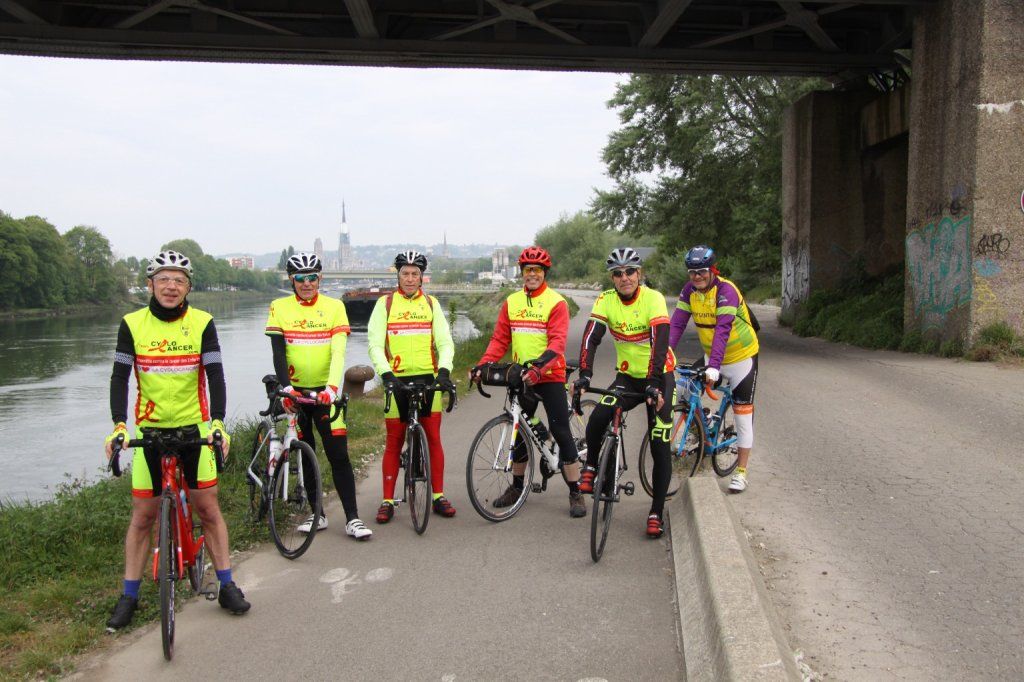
486,478
260,446
725,459
578,426
166,571
687,448
417,478
294,498
604,501
197,571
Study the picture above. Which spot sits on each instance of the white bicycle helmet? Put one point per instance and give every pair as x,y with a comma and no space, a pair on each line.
304,262
625,257
410,257
169,260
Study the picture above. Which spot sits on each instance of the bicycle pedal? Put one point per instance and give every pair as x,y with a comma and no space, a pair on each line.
628,488
211,592
537,488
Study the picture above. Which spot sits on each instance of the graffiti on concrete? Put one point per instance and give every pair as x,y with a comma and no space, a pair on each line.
993,245
796,272
1022,202
987,303
986,267
956,206
939,263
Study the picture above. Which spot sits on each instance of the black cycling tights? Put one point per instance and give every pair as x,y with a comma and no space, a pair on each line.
556,405
336,448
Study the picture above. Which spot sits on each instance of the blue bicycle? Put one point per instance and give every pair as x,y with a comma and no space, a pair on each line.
698,431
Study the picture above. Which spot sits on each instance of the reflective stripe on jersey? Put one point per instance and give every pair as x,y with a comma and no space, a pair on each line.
168,369
315,333
630,325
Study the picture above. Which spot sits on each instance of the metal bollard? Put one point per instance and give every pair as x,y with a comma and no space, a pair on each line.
356,378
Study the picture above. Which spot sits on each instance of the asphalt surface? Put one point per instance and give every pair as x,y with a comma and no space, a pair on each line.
468,600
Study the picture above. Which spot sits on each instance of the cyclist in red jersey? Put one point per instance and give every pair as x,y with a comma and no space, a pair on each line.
535,323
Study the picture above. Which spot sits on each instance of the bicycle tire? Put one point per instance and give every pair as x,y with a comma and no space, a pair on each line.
165,575
724,461
485,483
604,504
578,427
417,478
684,464
257,500
291,503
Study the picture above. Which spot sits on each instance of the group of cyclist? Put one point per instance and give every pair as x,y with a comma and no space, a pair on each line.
174,352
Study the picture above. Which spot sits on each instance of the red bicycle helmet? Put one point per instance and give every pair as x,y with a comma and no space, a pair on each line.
535,255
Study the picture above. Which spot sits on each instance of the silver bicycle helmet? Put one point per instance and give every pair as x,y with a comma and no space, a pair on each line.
624,257
304,262
169,260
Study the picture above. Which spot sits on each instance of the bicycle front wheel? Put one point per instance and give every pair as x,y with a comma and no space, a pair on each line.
166,574
486,479
295,498
686,451
725,457
417,478
604,498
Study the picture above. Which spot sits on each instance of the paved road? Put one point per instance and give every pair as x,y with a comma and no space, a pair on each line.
887,509
469,600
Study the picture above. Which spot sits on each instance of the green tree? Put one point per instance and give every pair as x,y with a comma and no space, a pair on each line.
18,262
95,259
578,245
698,160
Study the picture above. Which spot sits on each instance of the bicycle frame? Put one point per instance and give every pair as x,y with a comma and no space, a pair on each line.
186,547
691,384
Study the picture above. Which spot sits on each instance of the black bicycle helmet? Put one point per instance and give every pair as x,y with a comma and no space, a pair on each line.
624,257
700,257
169,260
304,262
411,257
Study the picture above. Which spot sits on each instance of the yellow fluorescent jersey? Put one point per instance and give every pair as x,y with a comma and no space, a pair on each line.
630,326
409,335
315,334
168,368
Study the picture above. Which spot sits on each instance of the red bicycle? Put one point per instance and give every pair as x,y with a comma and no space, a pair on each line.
181,547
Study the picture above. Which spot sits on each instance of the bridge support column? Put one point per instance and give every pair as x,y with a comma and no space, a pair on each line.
844,170
965,220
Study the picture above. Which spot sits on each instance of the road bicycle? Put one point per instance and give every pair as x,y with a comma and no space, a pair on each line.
489,464
698,431
611,464
284,479
181,546
415,457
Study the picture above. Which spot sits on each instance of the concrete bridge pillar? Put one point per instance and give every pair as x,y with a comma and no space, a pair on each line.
965,219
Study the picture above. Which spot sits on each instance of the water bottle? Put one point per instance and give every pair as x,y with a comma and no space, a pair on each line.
539,430
275,453
551,456
184,503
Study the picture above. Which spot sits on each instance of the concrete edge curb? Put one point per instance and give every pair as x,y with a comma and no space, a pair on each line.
728,627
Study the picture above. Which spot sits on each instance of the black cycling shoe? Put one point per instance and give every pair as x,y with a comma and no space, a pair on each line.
123,612
232,599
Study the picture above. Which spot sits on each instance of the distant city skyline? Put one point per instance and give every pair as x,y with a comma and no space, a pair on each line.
260,156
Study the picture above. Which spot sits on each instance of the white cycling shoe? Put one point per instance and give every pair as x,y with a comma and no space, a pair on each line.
306,525
358,530
738,483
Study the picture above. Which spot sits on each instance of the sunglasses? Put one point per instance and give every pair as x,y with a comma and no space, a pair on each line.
532,270
311,277
628,272
700,272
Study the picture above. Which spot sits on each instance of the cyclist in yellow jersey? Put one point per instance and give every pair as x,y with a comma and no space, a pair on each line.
308,333
728,334
409,339
637,318
535,323
174,351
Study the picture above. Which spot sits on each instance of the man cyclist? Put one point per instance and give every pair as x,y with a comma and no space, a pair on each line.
174,351
726,331
409,339
637,318
308,334
535,322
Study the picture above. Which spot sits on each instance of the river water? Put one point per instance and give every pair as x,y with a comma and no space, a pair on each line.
54,389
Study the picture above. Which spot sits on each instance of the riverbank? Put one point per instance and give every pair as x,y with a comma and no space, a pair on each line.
199,298
62,574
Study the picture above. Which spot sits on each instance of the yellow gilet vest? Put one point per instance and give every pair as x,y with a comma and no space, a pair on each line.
528,323
409,339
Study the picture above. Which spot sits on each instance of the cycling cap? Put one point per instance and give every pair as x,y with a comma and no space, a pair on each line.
535,255
411,257
304,262
624,258
700,257
169,260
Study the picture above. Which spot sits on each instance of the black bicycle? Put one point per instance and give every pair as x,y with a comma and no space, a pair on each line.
415,458
611,463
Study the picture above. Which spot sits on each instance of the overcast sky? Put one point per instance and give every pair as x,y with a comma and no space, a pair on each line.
253,157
